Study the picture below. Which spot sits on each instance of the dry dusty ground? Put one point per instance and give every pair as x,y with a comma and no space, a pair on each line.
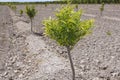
32,57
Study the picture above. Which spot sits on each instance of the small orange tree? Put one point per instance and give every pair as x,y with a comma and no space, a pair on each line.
102,8
67,29
13,7
21,12
31,12
76,7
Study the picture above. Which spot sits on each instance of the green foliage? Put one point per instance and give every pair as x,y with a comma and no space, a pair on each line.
65,1
13,7
102,8
46,5
94,1
76,6
67,28
9,5
31,11
21,12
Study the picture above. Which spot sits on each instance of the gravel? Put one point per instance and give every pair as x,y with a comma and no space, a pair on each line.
32,57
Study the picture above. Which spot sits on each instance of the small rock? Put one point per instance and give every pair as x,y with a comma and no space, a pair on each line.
21,75
96,78
5,73
16,71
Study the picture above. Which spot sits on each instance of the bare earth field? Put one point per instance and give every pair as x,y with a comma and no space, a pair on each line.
26,56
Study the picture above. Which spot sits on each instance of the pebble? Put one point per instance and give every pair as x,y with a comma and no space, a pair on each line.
21,75
16,71
5,73
96,78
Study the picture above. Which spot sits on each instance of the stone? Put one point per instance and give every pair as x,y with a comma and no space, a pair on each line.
21,75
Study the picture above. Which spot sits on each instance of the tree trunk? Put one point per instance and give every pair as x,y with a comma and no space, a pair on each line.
101,13
31,24
71,63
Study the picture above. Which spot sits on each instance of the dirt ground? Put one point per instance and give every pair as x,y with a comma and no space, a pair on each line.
26,56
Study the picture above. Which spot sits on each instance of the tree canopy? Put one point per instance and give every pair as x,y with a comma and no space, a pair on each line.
67,28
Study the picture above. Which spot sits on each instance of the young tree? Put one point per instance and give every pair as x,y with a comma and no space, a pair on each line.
101,9
46,4
67,29
9,5
21,12
31,12
76,7
13,7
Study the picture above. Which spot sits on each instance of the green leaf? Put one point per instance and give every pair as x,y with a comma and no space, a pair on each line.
67,28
